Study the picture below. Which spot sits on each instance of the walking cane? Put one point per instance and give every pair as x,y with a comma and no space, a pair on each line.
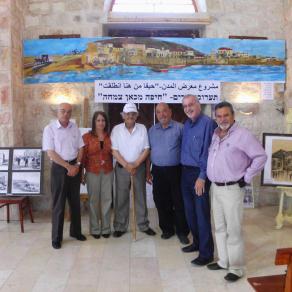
133,209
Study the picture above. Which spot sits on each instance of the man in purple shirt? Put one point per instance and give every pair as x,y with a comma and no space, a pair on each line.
235,157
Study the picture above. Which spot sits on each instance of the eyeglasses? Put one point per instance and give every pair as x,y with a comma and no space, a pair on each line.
62,111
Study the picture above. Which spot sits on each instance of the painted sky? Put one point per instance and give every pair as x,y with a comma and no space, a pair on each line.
269,48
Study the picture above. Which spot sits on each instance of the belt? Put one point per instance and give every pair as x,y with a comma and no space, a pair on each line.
229,183
190,167
119,165
72,162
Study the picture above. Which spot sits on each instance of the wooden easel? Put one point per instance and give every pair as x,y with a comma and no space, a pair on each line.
276,283
283,216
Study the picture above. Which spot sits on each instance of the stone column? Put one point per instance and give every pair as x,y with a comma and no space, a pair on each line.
11,98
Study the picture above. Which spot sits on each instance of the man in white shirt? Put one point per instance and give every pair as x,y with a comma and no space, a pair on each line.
63,142
130,148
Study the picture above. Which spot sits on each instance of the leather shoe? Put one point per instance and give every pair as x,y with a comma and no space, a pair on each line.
167,235
106,235
230,277
190,248
214,267
149,231
118,233
56,244
80,237
183,239
201,261
96,236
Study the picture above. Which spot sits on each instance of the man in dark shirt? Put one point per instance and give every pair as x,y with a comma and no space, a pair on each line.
165,143
197,136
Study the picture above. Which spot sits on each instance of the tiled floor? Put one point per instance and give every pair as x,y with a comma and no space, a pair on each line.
28,262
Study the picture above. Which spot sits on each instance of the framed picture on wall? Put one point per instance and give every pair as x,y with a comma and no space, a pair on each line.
248,198
278,168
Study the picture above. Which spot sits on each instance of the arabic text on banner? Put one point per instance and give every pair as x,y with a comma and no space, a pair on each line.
155,91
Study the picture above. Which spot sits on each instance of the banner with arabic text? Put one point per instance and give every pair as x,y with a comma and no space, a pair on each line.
155,91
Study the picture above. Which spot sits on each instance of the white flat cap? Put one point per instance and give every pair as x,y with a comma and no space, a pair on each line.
130,108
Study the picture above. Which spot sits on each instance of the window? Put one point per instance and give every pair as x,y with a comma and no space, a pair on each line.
155,6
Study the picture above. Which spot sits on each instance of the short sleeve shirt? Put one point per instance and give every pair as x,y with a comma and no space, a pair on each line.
66,142
130,145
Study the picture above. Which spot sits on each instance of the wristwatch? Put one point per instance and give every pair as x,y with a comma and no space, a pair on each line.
78,163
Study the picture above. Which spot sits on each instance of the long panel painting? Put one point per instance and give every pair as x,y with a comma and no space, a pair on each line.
130,58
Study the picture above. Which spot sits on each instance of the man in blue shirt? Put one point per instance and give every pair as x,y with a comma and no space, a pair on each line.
165,143
197,136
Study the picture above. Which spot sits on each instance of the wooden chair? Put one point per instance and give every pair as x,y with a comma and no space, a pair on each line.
276,283
22,202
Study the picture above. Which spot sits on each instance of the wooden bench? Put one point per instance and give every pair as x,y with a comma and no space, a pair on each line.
22,202
276,283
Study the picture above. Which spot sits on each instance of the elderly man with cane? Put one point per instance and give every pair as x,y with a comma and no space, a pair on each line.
130,148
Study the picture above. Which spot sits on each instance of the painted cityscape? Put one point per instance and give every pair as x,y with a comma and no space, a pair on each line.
87,60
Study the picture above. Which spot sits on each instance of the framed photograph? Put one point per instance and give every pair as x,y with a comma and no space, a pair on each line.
248,198
278,168
26,183
3,182
27,159
4,159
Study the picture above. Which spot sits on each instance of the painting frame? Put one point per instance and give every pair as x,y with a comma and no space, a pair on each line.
278,168
23,177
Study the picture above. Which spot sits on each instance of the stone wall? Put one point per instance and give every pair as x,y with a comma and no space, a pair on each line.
11,97
229,17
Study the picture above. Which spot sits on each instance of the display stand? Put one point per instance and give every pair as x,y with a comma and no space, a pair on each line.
283,215
22,202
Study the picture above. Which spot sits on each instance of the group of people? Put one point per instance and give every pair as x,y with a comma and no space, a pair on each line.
181,161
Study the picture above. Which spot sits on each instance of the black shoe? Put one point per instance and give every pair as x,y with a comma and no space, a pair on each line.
201,261
56,244
230,277
118,233
96,236
214,267
107,235
80,237
190,248
149,231
167,235
183,239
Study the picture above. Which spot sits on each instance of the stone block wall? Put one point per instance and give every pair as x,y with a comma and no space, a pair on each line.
34,105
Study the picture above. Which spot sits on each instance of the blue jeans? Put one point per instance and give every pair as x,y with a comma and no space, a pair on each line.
197,210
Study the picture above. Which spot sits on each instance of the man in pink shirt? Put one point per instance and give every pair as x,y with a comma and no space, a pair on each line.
235,157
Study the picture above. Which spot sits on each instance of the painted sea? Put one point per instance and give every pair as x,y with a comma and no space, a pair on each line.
244,73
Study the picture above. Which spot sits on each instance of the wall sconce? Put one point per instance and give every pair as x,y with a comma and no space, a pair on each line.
247,103
247,109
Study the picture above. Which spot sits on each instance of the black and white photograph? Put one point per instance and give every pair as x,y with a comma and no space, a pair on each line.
248,198
26,159
3,182
4,159
278,169
26,183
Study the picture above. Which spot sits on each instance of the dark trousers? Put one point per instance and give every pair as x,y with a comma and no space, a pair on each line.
62,187
168,199
197,210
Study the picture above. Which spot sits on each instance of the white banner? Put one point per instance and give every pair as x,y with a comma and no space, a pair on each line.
155,91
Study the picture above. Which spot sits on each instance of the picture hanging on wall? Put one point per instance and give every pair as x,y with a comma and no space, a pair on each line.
134,58
24,171
278,168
